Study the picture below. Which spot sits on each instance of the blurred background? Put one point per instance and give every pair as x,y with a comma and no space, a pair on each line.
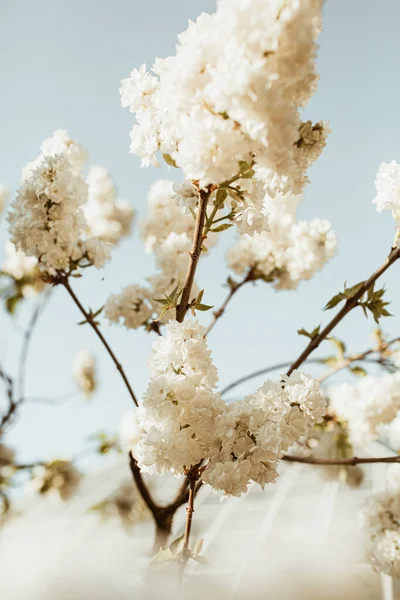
61,65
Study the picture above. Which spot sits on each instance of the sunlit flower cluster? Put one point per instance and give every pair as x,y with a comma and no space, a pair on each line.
84,372
381,518
58,477
183,420
58,218
387,185
291,251
366,405
232,93
23,270
108,217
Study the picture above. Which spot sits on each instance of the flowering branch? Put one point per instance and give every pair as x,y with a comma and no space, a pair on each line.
360,357
353,461
350,303
89,317
183,305
234,287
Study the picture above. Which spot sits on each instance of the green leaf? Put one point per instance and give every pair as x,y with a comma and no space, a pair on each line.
309,334
169,160
334,301
222,227
359,371
221,196
203,307
163,301
339,345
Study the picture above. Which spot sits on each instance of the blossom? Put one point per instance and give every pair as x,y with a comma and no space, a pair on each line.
381,520
232,93
23,270
182,418
46,218
3,196
57,477
366,405
132,306
387,185
289,252
109,218
84,372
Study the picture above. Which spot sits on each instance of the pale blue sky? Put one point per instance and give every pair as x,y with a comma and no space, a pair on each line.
61,63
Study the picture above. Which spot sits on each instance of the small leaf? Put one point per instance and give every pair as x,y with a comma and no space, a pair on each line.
359,371
203,307
163,301
220,197
334,301
222,227
201,559
198,547
339,345
309,334
169,160
162,556
176,545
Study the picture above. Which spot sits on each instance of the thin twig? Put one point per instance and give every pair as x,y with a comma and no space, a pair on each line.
27,341
195,254
360,357
233,289
353,461
12,403
92,322
348,306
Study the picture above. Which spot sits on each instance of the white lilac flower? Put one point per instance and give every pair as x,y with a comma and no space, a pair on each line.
84,372
387,185
3,196
23,269
232,93
109,218
366,405
131,307
289,252
46,218
183,420
381,524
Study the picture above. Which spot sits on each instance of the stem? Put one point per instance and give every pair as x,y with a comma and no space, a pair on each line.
348,306
12,404
233,289
183,306
26,343
360,357
352,462
189,518
91,320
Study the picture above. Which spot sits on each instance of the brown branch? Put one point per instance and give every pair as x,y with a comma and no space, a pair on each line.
360,357
63,279
352,462
348,306
12,403
233,289
195,253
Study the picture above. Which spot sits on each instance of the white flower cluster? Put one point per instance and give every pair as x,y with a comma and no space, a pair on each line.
84,372
23,269
58,477
109,218
366,405
3,196
387,185
381,520
132,307
46,218
291,251
330,440
183,420
232,93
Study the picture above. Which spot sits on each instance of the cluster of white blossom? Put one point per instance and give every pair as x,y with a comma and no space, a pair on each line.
58,477
183,420
3,196
22,269
108,218
329,440
291,251
231,94
60,219
132,307
366,405
381,520
84,372
387,185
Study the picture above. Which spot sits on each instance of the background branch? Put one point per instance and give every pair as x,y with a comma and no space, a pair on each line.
352,462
